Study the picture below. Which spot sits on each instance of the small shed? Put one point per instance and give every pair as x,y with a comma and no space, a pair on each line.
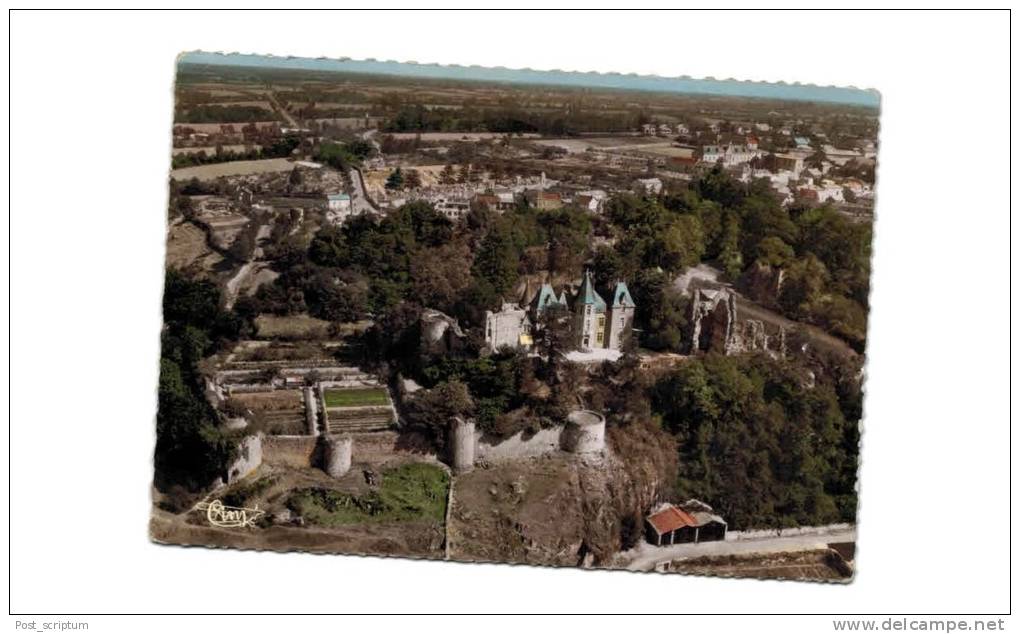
692,522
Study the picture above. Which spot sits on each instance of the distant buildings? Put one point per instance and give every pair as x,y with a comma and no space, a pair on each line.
543,200
729,154
647,186
789,162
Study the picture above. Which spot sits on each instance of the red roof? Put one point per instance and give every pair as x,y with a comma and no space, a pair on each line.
671,518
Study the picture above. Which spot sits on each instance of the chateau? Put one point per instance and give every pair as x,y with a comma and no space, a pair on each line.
596,324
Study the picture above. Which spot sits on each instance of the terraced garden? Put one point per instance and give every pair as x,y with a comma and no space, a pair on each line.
356,397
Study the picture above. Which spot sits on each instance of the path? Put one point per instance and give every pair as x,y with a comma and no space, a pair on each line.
280,110
359,201
257,267
647,557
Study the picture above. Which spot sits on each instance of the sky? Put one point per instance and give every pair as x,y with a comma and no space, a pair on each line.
679,85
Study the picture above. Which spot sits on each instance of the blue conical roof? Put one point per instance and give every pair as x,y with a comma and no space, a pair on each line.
621,296
588,295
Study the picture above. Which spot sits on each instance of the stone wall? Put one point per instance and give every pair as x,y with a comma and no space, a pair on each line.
521,445
291,451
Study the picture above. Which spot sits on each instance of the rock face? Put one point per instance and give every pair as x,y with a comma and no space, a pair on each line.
440,333
562,509
249,457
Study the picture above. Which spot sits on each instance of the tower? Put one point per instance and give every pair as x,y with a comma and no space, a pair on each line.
621,317
589,316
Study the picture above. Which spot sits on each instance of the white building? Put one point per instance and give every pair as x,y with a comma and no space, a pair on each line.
509,328
649,186
338,208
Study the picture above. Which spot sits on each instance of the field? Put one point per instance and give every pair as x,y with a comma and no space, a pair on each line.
233,168
577,146
409,492
357,397
186,247
290,326
814,565
276,401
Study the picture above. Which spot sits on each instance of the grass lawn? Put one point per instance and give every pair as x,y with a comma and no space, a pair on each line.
407,493
357,397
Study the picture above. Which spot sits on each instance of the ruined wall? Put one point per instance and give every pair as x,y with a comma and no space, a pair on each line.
521,445
291,451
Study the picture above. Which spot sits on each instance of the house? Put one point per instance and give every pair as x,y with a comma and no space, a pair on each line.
648,129
647,186
665,129
339,202
730,154
543,200
691,523
789,162
508,328
592,200
338,208
801,141
454,208
486,201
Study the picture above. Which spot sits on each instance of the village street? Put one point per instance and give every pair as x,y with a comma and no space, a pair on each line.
646,556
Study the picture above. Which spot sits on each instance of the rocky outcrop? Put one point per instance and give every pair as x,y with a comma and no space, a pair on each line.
562,509
440,333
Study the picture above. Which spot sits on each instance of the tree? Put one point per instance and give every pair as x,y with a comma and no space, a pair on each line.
496,260
295,179
447,176
413,179
433,410
440,275
395,180
757,443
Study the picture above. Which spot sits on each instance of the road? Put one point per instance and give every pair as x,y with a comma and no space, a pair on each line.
280,110
646,557
359,201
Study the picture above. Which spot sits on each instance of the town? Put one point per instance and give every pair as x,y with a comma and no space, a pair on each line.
480,321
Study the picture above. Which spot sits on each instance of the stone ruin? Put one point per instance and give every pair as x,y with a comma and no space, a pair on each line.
716,326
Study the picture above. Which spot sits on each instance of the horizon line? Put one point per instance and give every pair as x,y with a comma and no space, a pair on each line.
708,86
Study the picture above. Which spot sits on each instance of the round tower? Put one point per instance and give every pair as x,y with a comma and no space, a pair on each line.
585,432
462,445
336,455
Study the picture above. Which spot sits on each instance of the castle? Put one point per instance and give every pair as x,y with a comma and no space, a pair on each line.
596,324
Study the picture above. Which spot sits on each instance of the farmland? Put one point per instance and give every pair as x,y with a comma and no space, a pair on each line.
356,397
234,168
